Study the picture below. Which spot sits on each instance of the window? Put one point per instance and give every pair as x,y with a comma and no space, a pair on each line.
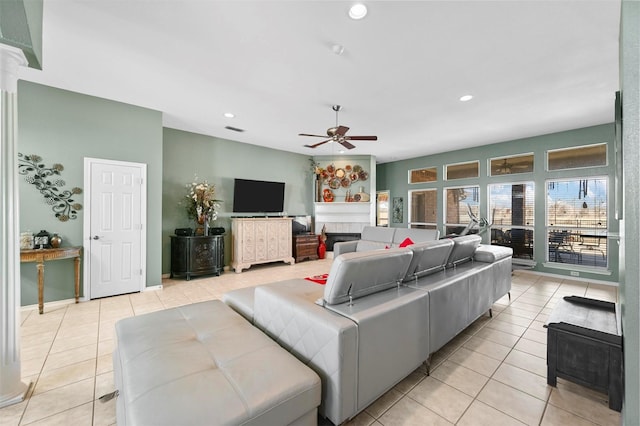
423,209
382,208
574,158
458,203
463,170
511,165
577,221
429,174
512,217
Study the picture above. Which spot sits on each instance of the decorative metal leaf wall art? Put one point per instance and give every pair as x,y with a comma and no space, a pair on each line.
47,181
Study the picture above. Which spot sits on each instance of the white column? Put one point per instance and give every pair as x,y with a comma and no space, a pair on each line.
12,390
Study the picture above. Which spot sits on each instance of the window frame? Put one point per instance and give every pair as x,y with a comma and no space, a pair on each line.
528,228
549,227
445,176
435,168
506,157
446,224
427,225
606,159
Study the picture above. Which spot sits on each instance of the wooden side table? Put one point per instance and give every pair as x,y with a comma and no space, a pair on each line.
305,247
43,255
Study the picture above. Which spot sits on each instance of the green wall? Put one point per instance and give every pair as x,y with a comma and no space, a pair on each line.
219,161
394,177
64,127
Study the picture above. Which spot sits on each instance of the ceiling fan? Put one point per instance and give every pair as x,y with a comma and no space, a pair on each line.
338,134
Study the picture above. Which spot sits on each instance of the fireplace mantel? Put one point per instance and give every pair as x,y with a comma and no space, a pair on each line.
344,217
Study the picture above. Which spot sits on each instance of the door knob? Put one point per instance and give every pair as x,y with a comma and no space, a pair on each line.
96,237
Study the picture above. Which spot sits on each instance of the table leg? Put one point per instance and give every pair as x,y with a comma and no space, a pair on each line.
77,277
40,287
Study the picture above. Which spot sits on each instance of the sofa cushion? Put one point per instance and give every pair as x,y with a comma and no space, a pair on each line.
362,273
463,249
416,235
428,258
377,233
367,245
489,254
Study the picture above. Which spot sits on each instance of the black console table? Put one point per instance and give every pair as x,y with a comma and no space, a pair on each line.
197,255
584,345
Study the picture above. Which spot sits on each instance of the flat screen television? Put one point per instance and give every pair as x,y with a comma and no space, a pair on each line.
257,196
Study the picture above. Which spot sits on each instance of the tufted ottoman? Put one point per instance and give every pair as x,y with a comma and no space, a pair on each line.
203,364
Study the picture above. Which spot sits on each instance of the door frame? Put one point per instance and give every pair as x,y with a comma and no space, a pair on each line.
86,226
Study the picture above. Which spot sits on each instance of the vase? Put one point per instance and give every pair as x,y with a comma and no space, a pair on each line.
55,241
200,224
322,249
206,228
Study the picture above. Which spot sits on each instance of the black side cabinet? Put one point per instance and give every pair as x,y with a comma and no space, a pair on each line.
584,345
197,255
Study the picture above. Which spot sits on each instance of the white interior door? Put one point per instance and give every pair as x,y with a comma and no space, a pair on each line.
114,236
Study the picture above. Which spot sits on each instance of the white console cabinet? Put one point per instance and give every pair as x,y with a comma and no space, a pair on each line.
260,240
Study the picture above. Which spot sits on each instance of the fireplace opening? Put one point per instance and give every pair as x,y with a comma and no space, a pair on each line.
337,237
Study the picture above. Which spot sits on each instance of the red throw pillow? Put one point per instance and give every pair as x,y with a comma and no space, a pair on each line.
407,242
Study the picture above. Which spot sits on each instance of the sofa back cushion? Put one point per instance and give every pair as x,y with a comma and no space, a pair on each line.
378,234
362,273
416,235
367,245
428,257
463,249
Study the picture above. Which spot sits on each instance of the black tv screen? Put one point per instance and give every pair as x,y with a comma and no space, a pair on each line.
258,196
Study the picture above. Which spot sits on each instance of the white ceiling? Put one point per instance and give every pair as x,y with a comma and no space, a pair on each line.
534,67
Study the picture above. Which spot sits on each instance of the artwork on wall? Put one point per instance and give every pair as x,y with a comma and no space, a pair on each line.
47,181
397,209
340,178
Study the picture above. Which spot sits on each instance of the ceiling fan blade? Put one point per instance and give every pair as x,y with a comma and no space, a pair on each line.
346,144
341,130
318,144
315,136
362,138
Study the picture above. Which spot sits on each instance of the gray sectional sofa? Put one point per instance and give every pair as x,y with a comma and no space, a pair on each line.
376,237
381,314
340,346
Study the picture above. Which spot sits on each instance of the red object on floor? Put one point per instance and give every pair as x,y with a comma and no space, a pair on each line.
319,279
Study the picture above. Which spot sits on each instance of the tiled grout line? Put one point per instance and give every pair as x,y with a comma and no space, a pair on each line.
522,289
31,392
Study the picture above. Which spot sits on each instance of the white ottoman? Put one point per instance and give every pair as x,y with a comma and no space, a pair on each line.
203,364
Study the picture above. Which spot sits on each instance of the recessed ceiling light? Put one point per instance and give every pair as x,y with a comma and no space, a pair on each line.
229,114
338,49
358,11
466,98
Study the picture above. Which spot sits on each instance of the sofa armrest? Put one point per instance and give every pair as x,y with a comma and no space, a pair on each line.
323,340
344,247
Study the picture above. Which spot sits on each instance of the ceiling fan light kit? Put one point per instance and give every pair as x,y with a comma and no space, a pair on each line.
338,134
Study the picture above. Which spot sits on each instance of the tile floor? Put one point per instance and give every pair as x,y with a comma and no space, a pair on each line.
494,373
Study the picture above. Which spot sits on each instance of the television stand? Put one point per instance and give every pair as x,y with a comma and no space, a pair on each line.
260,240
